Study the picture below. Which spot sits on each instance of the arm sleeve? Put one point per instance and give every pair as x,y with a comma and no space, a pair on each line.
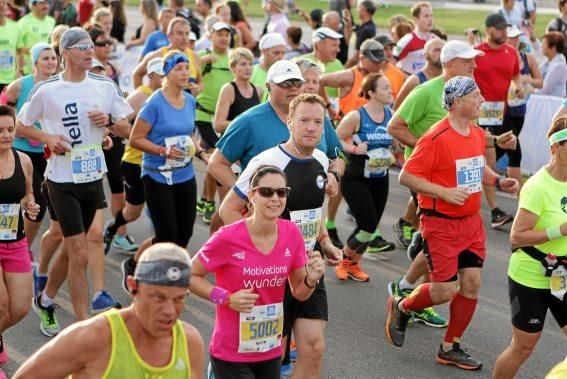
211,254
235,140
400,50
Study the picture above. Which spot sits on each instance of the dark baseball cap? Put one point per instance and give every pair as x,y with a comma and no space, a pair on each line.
384,40
373,50
496,20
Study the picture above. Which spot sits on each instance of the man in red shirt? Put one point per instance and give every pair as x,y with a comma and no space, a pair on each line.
447,169
495,70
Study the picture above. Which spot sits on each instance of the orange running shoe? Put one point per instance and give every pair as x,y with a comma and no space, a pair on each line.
341,271
356,273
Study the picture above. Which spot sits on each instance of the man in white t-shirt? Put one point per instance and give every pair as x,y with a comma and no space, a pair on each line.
409,50
73,108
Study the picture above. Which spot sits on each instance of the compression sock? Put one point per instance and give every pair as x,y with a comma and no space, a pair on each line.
461,311
419,299
330,224
118,221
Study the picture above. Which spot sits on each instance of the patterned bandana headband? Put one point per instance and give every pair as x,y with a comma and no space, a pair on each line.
456,88
558,137
171,61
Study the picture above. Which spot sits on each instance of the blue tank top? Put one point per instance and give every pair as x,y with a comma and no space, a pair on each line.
421,76
23,144
375,163
520,111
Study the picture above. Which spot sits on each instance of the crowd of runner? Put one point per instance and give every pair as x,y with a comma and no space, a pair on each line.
287,125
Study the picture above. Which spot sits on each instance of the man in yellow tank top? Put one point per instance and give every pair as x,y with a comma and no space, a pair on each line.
178,33
145,340
132,160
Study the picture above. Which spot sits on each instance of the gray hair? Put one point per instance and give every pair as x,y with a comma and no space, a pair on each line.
306,65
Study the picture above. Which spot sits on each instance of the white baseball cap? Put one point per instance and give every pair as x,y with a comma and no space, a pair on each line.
270,40
155,65
192,36
458,49
513,31
220,26
284,70
323,33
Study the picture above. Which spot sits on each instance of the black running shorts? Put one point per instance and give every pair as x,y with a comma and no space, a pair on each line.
133,185
529,307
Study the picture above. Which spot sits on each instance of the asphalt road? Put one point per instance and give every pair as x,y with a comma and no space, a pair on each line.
355,342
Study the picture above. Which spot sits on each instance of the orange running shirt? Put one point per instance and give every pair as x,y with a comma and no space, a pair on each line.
449,159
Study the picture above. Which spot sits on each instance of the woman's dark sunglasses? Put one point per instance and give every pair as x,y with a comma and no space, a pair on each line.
103,43
269,192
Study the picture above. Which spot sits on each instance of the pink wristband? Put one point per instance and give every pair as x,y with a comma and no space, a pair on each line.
219,295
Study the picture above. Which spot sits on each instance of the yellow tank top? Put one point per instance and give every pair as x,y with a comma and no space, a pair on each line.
132,155
190,54
126,363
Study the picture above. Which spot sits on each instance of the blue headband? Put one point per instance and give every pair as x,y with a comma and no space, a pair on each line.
173,60
456,88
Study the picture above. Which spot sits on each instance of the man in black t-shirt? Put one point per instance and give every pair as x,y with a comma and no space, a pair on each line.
366,29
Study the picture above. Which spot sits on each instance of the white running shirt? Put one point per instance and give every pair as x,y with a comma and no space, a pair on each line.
62,108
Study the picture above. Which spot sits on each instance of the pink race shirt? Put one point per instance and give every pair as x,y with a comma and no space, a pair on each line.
237,264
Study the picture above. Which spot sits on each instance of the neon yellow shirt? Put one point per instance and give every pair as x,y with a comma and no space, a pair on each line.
125,362
546,197
259,79
9,38
215,76
33,31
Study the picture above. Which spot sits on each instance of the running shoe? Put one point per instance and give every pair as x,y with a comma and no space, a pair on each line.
404,232
48,322
395,290
341,271
396,323
108,237
499,218
457,357
201,205
335,240
125,243
128,266
380,245
210,209
430,317
356,273
3,353
292,351
286,371
39,282
104,302
415,246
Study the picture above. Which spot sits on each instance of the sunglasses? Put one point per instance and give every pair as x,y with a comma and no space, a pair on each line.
103,43
269,192
290,83
82,46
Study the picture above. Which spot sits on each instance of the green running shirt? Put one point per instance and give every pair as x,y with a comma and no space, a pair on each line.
33,31
546,197
217,76
9,38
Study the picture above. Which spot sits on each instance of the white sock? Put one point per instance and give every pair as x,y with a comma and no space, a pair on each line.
96,295
45,300
405,285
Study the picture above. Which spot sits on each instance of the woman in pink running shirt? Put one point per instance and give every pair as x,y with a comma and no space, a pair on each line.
251,260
